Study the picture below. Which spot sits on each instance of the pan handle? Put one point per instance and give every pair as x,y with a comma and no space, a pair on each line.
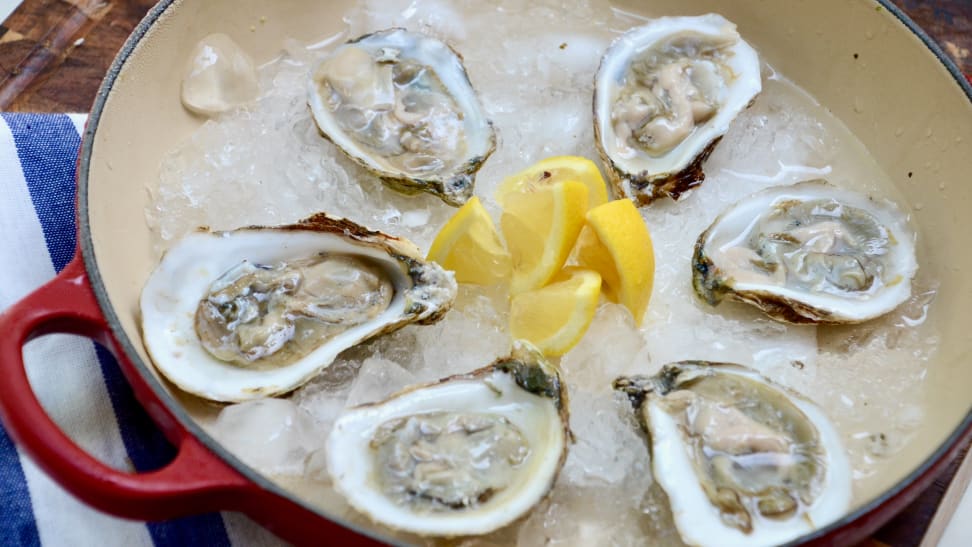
195,481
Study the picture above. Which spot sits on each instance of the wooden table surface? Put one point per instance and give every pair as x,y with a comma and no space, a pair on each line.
54,53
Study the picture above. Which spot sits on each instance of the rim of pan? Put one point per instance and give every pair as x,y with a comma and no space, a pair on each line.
97,284
114,323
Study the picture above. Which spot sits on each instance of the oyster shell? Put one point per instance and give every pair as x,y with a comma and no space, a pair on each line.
808,253
400,104
743,461
664,95
258,311
462,456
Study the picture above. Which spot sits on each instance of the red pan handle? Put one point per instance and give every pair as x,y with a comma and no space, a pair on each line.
195,481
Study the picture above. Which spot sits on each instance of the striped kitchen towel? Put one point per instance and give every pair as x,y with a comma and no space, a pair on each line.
78,382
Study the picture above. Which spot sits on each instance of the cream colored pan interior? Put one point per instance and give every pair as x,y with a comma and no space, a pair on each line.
900,83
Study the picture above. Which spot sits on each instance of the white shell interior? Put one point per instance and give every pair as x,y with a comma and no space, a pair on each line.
182,279
914,120
449,69
350,460
743,62
737,222
698,521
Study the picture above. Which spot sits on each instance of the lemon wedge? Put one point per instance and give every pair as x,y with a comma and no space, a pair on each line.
540,228
555,317
615,243
470,246
554,170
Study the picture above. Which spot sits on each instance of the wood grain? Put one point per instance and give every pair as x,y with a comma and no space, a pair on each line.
908,528
953,496
54,53
949,22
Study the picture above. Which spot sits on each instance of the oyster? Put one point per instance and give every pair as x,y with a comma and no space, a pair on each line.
462,456
743,461
258,311
400,104
664,96
808,253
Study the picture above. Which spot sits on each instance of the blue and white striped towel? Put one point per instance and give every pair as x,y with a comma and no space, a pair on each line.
78,382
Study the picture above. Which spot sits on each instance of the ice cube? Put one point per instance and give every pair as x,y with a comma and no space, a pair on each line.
377,379
611,347
578,517
608,450
219,76
271,435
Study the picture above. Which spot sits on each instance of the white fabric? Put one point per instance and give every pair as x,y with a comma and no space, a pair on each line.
65,375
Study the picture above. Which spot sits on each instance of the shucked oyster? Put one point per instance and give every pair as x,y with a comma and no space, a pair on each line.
232,316
400,104
808,253
462,456
742,460
664,96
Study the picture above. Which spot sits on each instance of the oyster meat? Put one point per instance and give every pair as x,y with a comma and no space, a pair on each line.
400,104
743,461
664,96
462,456
258,311
808,253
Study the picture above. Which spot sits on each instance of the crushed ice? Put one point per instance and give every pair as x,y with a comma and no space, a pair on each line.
532,63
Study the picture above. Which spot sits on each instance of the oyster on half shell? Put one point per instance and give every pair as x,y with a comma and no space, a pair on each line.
400,104
664,96
743,461
258,311
808,253
462,456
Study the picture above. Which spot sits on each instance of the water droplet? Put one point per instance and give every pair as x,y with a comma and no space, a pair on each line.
958,139
858,105
929,132
899,131
919,206
869,34
941,186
